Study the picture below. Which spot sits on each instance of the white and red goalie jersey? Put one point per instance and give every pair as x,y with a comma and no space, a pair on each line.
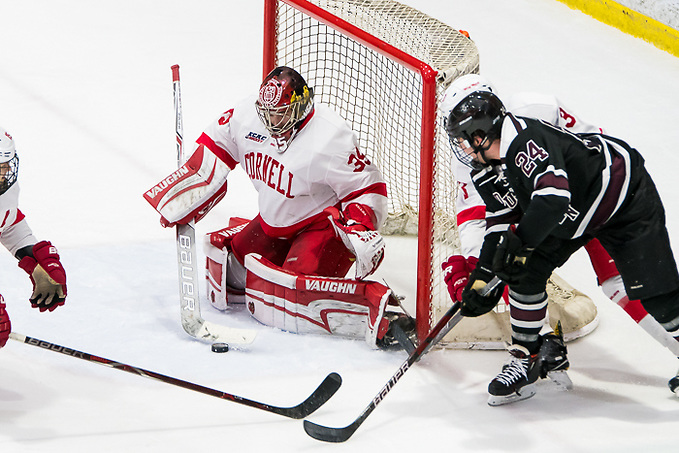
321,167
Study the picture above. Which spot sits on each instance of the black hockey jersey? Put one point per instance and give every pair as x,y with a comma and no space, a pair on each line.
553,182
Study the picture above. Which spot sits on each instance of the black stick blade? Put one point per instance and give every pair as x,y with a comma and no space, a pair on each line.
319,397
328,434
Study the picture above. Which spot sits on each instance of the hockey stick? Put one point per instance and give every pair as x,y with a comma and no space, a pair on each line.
323,392
445,324
189,298
409,346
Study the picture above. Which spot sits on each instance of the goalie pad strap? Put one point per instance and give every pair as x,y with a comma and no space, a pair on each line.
310,304
190,191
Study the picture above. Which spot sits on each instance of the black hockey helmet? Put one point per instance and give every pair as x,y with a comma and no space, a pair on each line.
478,115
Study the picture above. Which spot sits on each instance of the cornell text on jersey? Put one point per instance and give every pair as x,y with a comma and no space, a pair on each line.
261,167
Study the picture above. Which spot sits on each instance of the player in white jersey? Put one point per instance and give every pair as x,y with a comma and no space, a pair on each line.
39,259
321,202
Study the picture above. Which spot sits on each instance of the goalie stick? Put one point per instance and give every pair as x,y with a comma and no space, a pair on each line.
189,298
323,392
442,327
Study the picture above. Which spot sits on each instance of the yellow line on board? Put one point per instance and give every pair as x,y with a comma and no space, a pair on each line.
629,21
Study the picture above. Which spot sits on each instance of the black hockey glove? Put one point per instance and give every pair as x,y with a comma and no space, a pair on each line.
509,262
473,303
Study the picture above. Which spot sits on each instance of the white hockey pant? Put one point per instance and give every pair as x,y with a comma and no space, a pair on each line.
316,305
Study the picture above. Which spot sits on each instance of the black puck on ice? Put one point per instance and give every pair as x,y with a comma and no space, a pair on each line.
220,347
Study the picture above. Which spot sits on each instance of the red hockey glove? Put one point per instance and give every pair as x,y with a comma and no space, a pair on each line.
5,325
47,275
456,272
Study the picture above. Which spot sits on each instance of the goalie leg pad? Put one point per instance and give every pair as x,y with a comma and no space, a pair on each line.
224,275
318,305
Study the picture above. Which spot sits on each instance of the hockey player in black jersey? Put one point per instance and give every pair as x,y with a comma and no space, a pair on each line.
547,193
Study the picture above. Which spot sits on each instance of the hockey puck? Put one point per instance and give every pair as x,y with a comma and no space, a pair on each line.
220,347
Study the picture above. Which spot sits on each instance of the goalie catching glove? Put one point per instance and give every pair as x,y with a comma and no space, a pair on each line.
191,191
47,275
362,240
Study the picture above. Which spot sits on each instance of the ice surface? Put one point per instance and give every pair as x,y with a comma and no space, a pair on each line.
86,92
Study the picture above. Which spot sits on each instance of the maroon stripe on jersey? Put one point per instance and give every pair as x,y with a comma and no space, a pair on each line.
549,179
612,194
379,188
511,217
515,122
217,150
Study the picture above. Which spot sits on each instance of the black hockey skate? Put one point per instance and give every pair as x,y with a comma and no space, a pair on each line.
516,381
553,358
401,333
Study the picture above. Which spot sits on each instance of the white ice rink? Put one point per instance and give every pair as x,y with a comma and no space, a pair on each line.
86,92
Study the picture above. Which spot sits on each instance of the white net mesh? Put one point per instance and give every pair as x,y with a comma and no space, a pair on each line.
382,99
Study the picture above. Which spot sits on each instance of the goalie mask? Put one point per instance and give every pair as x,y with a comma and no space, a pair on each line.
284,101
9,161
471,111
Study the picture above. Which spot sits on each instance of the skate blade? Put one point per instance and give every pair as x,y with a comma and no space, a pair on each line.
561,379
499,400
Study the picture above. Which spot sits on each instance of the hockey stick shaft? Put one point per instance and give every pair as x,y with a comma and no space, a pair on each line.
442,327
187,259
323,392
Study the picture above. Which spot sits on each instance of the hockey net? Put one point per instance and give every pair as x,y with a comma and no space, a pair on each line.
384,67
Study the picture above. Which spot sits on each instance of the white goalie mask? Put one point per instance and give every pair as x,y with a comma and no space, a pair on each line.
9,161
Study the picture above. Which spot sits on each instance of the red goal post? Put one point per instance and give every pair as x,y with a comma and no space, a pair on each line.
384,66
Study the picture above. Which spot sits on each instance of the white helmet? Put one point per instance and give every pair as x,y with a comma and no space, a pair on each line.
471,110
9,161
460,89
7,150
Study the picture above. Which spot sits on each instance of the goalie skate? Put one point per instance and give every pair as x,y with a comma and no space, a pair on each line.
575,311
